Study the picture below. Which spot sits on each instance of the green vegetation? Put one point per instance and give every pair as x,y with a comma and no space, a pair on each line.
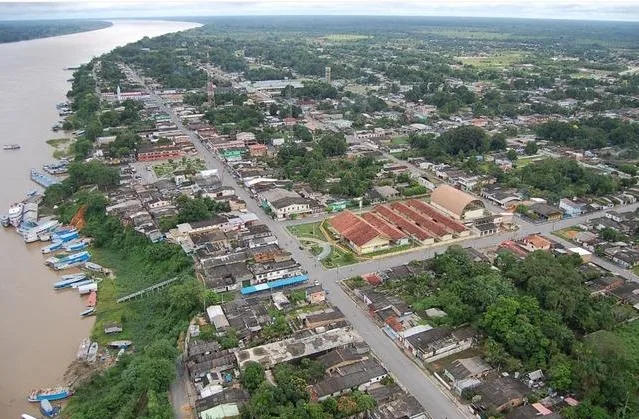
590,133
500,60
289,398
192,210
136,386
190,166
14,31
536,314
308,230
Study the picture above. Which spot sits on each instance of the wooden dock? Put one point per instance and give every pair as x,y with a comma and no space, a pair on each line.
152,288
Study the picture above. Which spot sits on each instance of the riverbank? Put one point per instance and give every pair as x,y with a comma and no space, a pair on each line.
43,324
26,30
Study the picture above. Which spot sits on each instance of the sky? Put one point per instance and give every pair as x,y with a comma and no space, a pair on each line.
549,9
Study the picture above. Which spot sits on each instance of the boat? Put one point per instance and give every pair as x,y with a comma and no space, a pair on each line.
93,267
120,344
65,237
48,410
51,394
93,299
56,245
32,192
25,416
83,349
34,233
83,282
64,262
74,246
88,312
56,168
16,211
70,276
30,213
42,179
11,147
93,352
4,220
86,289
67,283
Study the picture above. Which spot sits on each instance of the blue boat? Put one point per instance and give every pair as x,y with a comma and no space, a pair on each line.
66,283
65,237
48,410
76,245
56,245
50,394
42,179
32,192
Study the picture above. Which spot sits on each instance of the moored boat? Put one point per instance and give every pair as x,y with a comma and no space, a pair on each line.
86,289
56,245
66,283
16,211
11,147
120,344
32,192
82,283
93,352
93,299
76,245
48,410
83,349
65,237
34,233
88,312
93,267
42,179
25,416
4,220
51,394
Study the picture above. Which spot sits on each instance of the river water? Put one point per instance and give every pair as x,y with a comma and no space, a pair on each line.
40,329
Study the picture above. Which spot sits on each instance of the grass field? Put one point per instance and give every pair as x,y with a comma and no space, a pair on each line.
338,258
492,61
567,233
61,147
400,140
308,230
525,161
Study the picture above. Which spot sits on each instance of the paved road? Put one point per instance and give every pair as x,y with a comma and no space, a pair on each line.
439,404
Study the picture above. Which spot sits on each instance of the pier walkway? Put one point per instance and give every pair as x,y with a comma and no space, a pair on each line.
152,288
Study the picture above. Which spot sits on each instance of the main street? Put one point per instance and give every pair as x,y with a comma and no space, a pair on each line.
435,400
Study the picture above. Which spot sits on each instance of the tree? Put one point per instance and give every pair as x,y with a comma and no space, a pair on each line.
498,142
531,148
332,145
252,376
511,154
273,109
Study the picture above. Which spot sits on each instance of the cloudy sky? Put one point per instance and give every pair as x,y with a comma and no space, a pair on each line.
564,9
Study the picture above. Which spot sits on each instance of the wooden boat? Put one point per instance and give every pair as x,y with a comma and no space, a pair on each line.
93,299
48,410
120,344
83,350
51,394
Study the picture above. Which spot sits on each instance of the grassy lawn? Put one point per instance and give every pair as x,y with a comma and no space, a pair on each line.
61,147
525,161
391,250
338,258
403,140
308,230
167,169
469,34
567,233
636,270
498,60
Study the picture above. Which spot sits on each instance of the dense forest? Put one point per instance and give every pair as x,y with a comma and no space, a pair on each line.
14,31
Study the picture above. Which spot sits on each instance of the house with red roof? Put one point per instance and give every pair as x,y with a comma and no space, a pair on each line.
361,236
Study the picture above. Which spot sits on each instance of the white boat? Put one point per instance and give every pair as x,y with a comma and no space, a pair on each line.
83,350
82,282
93,267
25,416
15,214
51,248
93,352
4,220
34,233
11,147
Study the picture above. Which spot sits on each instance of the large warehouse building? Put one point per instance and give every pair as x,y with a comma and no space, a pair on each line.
395,224
456,203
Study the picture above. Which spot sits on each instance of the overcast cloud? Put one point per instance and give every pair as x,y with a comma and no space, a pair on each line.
562,9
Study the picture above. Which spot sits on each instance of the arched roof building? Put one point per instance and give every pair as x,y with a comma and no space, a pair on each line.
457,203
